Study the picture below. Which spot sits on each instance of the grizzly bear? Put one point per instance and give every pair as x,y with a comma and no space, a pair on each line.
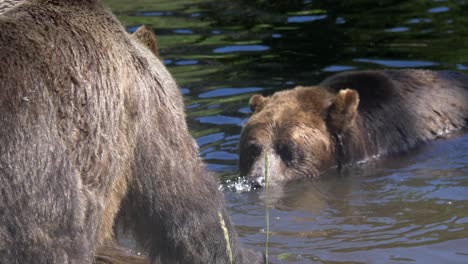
349,117
92,125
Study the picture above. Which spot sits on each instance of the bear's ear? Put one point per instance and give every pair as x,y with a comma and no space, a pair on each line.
146,36
256,102
343,110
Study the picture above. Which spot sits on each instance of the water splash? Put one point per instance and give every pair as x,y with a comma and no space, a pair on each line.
239,184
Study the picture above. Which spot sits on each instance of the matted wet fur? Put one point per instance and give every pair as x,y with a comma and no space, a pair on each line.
349,117
111,253
7,4
91,122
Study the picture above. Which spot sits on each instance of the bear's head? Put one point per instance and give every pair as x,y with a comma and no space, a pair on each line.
291,134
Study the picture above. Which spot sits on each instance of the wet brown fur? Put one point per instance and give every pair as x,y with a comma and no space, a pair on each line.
92,125
350,117
111,253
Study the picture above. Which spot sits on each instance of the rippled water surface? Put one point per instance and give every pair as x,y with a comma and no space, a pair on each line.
407,209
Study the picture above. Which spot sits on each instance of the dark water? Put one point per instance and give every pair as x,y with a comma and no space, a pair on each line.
407,209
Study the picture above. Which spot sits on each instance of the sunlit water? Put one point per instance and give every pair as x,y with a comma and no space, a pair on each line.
412,208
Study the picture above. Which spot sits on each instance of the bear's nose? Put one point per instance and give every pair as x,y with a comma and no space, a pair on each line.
258,182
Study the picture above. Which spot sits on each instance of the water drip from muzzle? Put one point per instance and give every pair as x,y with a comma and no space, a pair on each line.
339,150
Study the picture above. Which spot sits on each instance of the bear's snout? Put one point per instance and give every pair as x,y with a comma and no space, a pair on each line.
265,169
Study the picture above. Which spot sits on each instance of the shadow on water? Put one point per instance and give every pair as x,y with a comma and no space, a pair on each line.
411,208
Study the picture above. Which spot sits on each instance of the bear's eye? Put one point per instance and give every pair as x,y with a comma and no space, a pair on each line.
286,152
254,150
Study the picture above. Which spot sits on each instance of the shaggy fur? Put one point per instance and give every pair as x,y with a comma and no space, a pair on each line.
7,4
91,122
350,117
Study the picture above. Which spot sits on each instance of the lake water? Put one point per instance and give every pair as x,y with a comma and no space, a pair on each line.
407,209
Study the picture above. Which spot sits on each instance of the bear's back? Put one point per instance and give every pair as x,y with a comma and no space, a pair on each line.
410,106
379,88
